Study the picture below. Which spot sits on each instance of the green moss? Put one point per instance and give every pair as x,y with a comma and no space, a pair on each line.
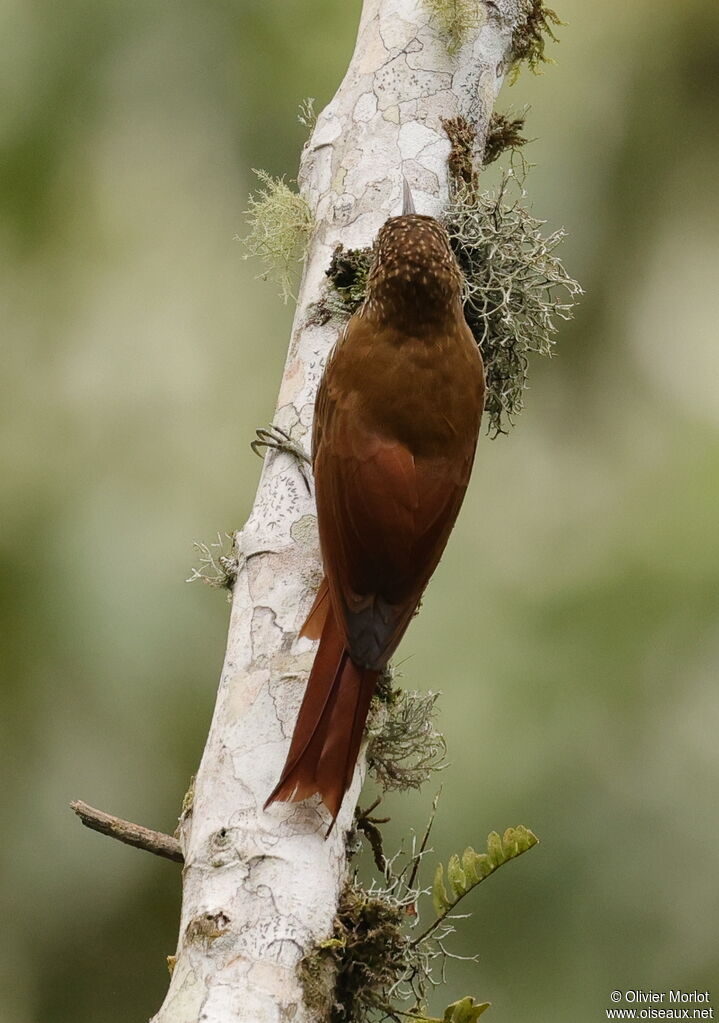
318,973
529,39
456,19
515,289
503,133
347,275
463,138
349,975
280,226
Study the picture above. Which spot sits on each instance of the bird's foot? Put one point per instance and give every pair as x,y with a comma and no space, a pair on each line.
279,440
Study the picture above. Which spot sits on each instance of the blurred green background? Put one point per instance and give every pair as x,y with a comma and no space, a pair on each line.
573,625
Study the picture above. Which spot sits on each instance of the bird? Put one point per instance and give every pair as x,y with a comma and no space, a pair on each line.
396,422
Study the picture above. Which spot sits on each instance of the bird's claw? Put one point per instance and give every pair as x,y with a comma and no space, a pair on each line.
279,440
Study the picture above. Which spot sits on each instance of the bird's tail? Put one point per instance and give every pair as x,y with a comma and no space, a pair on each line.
329,728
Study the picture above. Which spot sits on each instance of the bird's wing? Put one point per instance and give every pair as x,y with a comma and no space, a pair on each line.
384,520
323,398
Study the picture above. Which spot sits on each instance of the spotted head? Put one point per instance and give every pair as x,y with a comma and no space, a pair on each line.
414,272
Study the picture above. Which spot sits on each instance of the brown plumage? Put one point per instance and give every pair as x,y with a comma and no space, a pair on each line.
396,423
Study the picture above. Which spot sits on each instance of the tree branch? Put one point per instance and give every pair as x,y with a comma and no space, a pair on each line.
131,834
272,877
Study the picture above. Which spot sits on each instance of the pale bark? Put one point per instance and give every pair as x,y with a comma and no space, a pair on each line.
260,888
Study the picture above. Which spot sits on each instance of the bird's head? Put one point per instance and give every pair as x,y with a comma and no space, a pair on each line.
414,270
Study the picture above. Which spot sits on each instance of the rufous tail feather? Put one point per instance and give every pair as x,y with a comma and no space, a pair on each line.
312,629
330,725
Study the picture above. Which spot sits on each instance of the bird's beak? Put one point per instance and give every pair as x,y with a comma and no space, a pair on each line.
407,200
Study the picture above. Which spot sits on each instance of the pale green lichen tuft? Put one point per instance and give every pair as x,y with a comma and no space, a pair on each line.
280,226
307,115
405,746
529,39
456,19
515,289
218,563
